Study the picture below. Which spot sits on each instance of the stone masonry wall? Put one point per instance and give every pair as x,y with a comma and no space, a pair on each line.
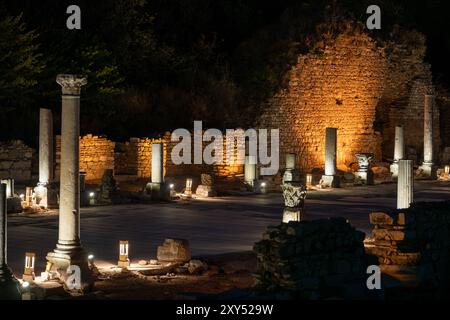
96,155
414,242
338,88
359,87
16,160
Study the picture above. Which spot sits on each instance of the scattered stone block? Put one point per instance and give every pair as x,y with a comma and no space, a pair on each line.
174,250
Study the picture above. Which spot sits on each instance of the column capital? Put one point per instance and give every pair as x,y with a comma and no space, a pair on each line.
71,83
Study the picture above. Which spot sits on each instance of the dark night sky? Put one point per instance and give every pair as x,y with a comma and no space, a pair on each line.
194,55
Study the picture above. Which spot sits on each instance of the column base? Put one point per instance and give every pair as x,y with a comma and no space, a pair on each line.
123,264
9,286
427,171
41,195
364,177
292,214
66,255
330,181
158,191
393,168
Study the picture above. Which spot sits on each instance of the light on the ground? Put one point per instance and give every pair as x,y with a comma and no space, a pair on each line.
171,186
91,257
263,184
22,196
91,194
25,284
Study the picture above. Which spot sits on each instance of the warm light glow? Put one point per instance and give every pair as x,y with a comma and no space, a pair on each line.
309,179
25,284
188,184
263,184
171,186
29,261
22,196
91,257
91,194
123,250
447,169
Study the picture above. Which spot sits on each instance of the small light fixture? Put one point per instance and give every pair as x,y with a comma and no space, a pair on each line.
90,259
124,261
309,178
28,274
188,190
28,196
171,186
263,187
25,284
447,169
91,198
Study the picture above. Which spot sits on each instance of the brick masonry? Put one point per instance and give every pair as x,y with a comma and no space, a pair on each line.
359,87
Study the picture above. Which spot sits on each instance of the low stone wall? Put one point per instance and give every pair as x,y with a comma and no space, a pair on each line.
16,160
413,245
96,156
311,256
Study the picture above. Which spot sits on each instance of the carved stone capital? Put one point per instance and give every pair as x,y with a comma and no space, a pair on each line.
71,83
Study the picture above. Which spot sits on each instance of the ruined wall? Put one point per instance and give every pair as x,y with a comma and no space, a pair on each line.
359,87
338,88
16,160
96,155
134,157
407,81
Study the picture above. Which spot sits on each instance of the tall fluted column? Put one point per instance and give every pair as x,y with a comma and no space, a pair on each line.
45,155
69,250
405,184
428,169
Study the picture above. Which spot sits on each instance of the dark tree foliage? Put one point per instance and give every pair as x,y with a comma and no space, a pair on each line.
160,64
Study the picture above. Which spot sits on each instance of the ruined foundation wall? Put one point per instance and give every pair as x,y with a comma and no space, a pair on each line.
16,160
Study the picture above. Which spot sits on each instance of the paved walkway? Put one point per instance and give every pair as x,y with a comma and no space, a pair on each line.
212,226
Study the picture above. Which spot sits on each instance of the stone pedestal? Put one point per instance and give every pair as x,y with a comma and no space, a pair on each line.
364,174
294,202
290,174
206,188
399,150
405,184
428,169
68,249
250,171
329,179
9,286
108,187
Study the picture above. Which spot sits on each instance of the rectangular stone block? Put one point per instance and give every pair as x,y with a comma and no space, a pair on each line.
380,218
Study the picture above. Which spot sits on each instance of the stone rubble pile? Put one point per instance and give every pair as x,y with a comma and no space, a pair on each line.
413,244
310,256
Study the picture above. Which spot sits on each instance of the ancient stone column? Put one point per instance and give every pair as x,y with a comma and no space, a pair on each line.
399,150
428,169
250,170
330,179
157,183
157,163
45,156
9,286
364,174
290,168
405,184
69,250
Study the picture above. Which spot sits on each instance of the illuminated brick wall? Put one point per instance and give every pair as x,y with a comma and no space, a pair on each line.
359,88
96,155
